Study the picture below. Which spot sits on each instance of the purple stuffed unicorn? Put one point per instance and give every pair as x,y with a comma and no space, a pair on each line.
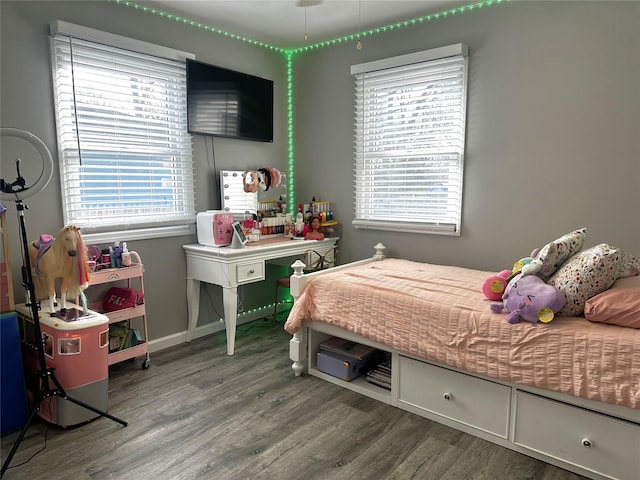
531,299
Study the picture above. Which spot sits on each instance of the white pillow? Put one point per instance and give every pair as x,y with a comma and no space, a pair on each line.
585,275
551,257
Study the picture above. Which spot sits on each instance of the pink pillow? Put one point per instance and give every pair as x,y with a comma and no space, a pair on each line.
620,305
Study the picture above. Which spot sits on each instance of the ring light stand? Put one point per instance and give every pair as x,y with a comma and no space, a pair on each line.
17,191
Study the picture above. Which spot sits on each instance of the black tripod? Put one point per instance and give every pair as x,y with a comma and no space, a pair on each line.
46,375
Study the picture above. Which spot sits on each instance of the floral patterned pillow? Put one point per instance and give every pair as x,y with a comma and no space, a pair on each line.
585,275
629,265
551,257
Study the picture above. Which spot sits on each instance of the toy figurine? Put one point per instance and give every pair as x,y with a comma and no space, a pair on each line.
314,233
63,256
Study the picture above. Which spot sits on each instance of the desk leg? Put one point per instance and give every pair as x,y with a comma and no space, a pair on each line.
193,306
230,301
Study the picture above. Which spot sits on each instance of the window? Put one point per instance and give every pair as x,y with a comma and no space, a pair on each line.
121,111
409,141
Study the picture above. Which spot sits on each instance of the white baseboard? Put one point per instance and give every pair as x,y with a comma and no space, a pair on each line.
214,327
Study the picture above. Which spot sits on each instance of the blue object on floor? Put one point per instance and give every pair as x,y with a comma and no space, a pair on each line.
13,399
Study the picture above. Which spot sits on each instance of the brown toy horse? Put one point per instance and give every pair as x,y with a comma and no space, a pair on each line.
63,256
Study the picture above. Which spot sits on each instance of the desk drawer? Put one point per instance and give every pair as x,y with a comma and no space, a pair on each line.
596,442
469,400
250,272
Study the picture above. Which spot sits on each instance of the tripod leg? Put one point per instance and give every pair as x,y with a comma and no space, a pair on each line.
47,392
61,393
102,413
7,461
46,374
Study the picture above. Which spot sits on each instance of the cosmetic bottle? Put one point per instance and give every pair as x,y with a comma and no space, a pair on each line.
117,251
112,257
299,223
106,258
126,255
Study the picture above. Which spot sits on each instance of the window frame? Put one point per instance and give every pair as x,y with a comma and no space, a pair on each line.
183,222
367,175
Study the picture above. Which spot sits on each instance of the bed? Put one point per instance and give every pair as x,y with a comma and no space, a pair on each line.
566,392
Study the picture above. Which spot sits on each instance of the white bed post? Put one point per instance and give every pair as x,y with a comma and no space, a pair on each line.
379,255
298,344
298,351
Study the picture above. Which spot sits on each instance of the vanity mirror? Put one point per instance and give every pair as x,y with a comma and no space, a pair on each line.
235,200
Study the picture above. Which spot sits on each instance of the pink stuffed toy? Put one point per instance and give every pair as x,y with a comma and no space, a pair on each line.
494,286
531,299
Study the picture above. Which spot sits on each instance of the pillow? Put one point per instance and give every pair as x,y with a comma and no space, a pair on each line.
551,257
585,275
620,305
629,265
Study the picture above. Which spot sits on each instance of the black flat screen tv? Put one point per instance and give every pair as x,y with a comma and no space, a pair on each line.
227,103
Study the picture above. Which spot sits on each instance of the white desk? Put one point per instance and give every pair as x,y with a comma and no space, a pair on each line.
229,268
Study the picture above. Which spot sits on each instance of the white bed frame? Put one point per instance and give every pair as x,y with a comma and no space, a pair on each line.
593,439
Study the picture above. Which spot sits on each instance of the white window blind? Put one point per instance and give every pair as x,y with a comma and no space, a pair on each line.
125,154
409,141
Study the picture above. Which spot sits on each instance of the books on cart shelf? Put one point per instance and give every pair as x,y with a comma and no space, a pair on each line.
122,336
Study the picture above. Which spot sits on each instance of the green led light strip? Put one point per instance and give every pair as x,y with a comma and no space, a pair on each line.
290,52
399,25
291,193
198,25
328,43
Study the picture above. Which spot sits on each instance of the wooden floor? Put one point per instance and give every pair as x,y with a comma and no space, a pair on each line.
197,413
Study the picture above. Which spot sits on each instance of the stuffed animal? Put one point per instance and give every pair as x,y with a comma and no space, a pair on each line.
529,298
520,264
494,286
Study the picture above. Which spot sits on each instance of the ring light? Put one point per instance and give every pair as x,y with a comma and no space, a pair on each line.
8,192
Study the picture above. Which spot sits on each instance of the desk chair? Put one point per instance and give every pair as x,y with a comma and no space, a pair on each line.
314,261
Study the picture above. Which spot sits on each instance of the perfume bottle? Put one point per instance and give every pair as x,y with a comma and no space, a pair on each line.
126,255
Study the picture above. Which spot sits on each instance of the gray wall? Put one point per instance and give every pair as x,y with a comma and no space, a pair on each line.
552,142
27,103
553,128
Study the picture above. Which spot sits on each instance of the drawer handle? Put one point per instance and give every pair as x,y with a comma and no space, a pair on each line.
586,443
252,271
447,396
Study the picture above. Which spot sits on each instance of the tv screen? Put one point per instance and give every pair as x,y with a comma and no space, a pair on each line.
227,103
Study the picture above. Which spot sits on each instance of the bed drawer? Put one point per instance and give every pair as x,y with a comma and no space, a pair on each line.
472,401
577,436
250,272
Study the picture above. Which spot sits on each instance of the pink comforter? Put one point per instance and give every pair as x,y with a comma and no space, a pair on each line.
439,313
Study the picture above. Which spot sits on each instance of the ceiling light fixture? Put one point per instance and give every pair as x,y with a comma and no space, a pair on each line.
305,24
304,4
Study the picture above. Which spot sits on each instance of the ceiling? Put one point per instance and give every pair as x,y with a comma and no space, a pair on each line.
282,23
